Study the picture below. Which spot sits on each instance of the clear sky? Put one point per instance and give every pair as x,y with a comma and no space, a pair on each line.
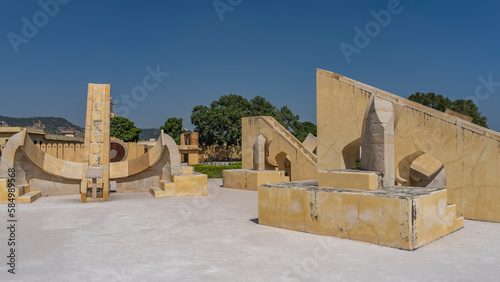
246,47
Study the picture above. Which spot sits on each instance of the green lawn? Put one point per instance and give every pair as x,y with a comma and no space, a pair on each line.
214,171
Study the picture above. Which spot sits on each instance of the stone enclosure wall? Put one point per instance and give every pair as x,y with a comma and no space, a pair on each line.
218,153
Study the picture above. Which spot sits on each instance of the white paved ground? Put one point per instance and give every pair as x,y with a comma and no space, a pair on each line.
135,237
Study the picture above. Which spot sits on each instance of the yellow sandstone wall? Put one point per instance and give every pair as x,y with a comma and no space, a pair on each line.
470,153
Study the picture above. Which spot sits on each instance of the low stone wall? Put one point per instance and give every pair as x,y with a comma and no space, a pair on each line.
217,152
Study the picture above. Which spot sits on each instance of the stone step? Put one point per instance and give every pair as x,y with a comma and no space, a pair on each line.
166,185
156,192
452,208
29,197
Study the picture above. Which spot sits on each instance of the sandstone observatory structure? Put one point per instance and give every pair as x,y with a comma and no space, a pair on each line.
101,166
271,154
408,152
469,153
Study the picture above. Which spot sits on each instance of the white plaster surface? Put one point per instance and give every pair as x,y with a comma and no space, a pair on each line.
135,237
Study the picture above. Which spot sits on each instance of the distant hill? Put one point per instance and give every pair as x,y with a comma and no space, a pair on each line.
148,133
50,125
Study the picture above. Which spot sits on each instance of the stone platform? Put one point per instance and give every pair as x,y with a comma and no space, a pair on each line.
188,184
248,179
401,217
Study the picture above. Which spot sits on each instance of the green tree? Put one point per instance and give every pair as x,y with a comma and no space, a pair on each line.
261,107
440,103
220,123
124,129
469,108
304,129
173,127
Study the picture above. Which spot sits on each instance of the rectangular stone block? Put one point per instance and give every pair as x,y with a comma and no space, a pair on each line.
188,185
98,106
97,125
402,217
96,115
98,97
167,185
95,148
96,159
246,179
96,136
187,169
350,179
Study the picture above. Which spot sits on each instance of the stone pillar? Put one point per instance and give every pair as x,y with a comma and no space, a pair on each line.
183,139
193,138
259,153
377,152
97,136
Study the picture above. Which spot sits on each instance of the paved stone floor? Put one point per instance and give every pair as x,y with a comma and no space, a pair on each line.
135,237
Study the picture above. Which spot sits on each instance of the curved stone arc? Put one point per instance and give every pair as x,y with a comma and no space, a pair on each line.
11,147
174,154
47,163
143,162
74,170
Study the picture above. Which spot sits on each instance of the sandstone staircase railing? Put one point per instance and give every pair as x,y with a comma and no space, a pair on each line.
292,140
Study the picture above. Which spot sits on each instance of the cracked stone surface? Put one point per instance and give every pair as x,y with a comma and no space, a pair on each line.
400,192
399,217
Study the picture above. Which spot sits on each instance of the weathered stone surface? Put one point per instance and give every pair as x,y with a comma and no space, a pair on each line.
399,217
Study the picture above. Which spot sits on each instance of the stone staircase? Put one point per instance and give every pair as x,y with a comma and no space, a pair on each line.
187,183
283,132
22,193
162,191
452,210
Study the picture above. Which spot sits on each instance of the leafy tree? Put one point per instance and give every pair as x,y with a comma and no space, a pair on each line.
304,129
124,129
288,119
173,127
469,108
261,107
220,123
440,103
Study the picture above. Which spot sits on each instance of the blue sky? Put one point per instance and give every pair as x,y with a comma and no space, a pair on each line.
266,48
